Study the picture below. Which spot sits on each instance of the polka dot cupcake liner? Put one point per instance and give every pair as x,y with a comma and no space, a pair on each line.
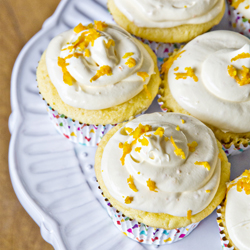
146,234
224,241
237,21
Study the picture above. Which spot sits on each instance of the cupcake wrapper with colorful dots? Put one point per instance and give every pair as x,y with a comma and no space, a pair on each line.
235,151
84,134
146,234
237,21
162,50
224,241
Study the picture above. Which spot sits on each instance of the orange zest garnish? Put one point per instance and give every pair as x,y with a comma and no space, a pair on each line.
178,151
128,54
236,3
144,141
138,149
87,53
208,191
131,62
143,75
203,163
189,214
131,184
166,139
182,121
79,28
159,131
242,55
99,25
177,128
128,199
126,150
190,73
104,70
245,74
120,145
151,185
109,43
147,91
129,130
192,146
67,78
141,129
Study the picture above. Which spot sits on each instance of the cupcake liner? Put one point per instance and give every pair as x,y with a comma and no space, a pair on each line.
224,241
82,133
162,50
146,234
237,21
235,151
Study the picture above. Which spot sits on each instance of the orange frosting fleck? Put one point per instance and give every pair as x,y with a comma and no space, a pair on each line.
207,191
236,3
247,7
79,28
203,163
99,25
151,185
245,74
128,199
175,69
242,55
192,146
159,131
177,128
144,141
128,54
189,214
109,43
141,129
131,184
178,151
182,121
147,92
190,73
104,70
67,78
126,150
244,183
138,149
131,62
129,130
166,65
92,36
87,53
166,138
143,75
120,145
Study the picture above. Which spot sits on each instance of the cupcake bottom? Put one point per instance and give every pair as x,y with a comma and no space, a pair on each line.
146,234
179,34
233,143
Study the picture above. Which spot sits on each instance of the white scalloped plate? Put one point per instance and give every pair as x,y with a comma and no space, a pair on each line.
54,178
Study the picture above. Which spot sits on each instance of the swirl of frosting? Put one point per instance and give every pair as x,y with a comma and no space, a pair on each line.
169,13
98,66
162,163
243,6
237,213
210,79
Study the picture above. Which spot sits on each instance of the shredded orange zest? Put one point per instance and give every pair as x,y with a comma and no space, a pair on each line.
177,151
138,172
131,184
138,149
247,7
149,135
182,121
109,43
192,146
141,129
92,36
104,70
131,62
128,199
87,53
166,138
177,128
129,130
143,141
159,131
203,163
189,214
207,191
128,54
190,73
151,185
99,25
221,156
67,78
77,54
126,150
143,75
236,3
147,91
120,145
68,56
166,65
79,28
245,74
70,48
242,55
244,182
175,69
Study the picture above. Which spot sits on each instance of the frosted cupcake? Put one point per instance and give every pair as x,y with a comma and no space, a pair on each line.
161,174
167,21
234,215
239,16
209,79
95,76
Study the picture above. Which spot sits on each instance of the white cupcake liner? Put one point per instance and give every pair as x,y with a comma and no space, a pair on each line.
146,234
237,21
82,133
224,240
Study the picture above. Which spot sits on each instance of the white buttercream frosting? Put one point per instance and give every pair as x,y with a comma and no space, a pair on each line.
108,90
243,7
169,13
181,185
237,216
216,98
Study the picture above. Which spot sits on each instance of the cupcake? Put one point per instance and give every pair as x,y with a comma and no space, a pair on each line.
239,16
93,77
167,21
161,174
234,216
209,79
